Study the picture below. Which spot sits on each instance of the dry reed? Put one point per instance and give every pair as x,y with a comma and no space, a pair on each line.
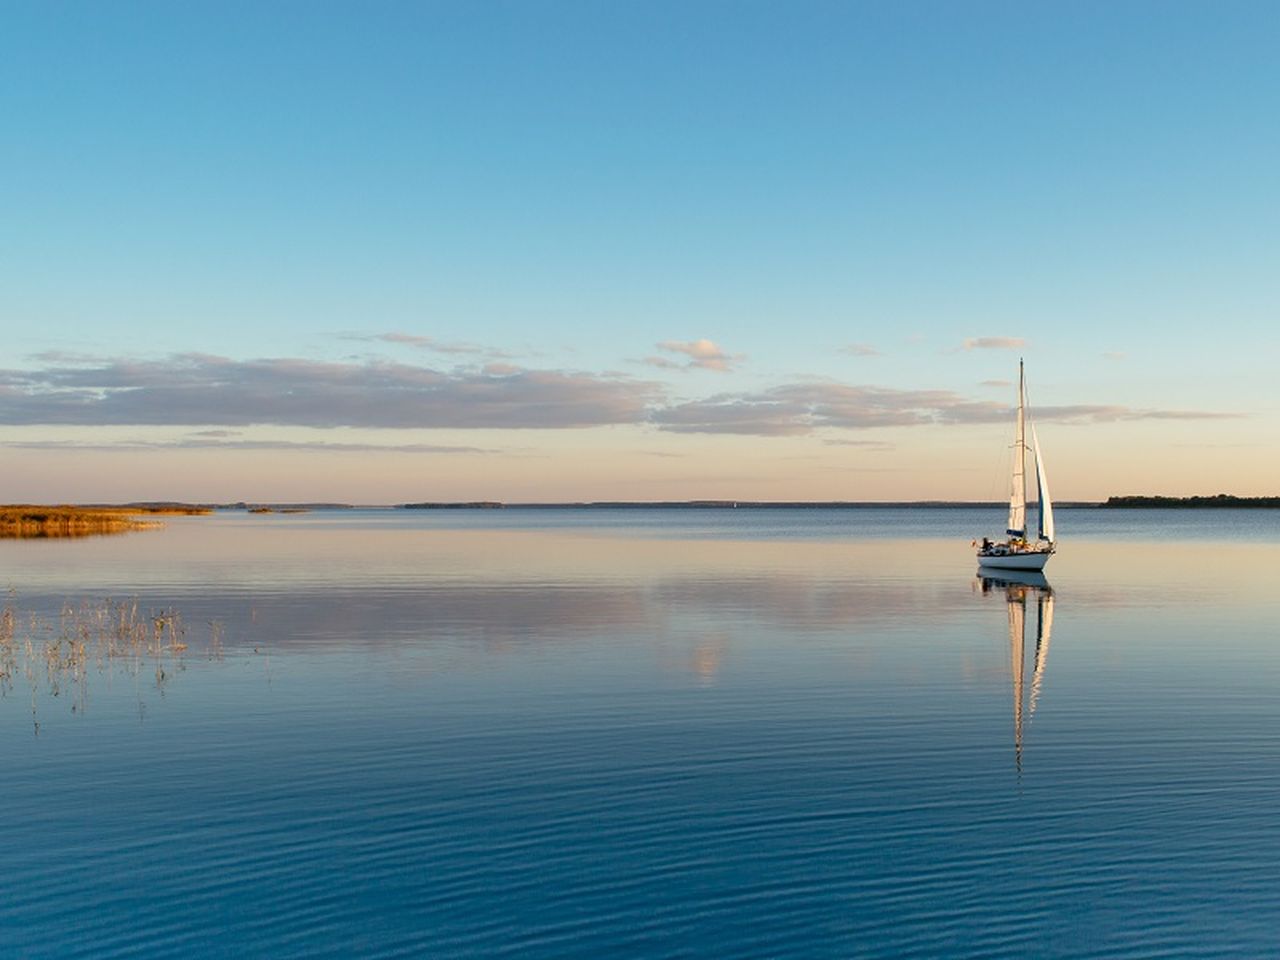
56,657
29,521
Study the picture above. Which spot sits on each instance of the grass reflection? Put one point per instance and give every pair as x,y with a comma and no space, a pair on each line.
54,658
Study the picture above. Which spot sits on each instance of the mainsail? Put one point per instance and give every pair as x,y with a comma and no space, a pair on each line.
1018,491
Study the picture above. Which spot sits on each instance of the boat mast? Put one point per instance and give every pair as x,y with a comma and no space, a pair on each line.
1018,493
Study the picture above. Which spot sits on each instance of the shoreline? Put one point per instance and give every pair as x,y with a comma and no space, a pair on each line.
40,522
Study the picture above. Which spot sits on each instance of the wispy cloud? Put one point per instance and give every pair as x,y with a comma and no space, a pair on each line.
405,339
996,383
994,343
1098,413
1115,355
220,394
663,363
861,350
198,389
801,408
420,342
865,444
195,443
702,354
64,356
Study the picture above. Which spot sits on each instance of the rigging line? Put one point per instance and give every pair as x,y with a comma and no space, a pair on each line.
997,480
1026,400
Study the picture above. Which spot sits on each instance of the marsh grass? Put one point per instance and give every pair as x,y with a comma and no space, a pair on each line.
56,657
30,521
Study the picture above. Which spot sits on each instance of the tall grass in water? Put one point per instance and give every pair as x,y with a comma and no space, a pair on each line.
55,658
37,522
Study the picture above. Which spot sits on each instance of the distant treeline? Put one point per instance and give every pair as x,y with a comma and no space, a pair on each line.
471,505
177,506
713,504
1220,500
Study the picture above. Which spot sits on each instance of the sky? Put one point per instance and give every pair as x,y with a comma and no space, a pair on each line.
387,252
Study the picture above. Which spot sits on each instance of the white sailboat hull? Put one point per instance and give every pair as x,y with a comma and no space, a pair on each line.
1016,561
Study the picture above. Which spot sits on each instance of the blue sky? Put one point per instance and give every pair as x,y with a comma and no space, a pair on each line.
837,193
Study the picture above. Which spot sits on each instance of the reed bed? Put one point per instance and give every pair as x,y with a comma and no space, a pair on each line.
56,656
30,521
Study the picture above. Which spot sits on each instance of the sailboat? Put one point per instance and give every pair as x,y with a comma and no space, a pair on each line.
1017,552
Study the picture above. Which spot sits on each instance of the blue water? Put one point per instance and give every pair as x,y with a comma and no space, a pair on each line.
800,523
657,733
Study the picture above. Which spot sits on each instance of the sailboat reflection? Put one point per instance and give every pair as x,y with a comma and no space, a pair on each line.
1017,586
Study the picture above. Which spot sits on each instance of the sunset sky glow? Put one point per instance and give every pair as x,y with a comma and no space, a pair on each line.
643,251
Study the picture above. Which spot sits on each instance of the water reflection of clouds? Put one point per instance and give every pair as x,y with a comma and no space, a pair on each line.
367,588
699,655
689,625
795,601
515,613
324,588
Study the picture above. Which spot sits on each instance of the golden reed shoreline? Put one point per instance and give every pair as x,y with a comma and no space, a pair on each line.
35,521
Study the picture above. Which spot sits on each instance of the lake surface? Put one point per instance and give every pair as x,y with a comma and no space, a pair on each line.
649,733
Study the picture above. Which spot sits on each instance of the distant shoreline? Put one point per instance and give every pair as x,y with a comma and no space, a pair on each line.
1195,503
723,505
162,508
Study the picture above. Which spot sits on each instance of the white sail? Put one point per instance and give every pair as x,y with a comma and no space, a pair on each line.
1042,485
1018,490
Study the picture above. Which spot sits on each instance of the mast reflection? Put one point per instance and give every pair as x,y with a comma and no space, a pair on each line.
1018,587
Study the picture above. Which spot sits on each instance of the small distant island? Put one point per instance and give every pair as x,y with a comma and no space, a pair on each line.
278,507
469,505
1219,500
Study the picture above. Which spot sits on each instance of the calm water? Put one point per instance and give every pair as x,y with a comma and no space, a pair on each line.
658,733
